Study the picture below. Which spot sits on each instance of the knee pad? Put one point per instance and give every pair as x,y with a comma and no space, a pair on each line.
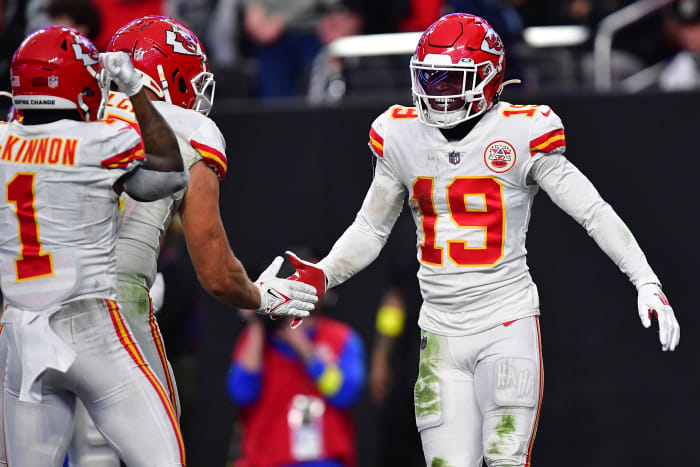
516,382
509,426
427,397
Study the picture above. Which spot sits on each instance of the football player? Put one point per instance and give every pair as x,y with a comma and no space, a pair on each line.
470,165
175,73
63,169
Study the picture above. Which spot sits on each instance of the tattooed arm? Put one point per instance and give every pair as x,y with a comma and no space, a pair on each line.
159,141
163,173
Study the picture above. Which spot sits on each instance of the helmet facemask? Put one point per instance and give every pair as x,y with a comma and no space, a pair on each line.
104,80
446,94
204,86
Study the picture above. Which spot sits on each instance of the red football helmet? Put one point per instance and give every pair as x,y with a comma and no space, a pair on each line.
58,68
457,70
171,58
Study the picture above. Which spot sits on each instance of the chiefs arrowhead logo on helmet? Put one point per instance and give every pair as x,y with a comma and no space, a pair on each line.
182,42
492,43
85,52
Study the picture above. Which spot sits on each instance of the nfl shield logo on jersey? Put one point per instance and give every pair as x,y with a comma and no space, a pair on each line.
454,158
53,82
499,156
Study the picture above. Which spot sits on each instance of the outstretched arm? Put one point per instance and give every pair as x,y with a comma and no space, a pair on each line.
575,194
361,243
219,271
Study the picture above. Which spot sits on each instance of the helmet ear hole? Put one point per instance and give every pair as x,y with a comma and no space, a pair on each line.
182,86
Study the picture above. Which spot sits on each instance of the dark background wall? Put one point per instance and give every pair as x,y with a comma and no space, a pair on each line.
611,397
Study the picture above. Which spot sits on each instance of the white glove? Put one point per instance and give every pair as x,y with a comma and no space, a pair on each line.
282,297
119,65
157,292
652,301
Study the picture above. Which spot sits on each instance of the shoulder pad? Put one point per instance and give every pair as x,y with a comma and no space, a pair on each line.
123,143
547,132
200,132
376,135
210,144
379,128
399,112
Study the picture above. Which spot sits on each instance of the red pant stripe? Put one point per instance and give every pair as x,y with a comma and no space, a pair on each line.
133,351
158,339
2,401
539,399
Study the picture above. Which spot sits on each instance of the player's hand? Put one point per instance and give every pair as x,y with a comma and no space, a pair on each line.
119,65
652,301
283,297
307,273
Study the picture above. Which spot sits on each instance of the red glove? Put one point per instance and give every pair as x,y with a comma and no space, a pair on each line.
307,273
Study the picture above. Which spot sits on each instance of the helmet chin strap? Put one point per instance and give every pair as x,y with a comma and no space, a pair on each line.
506,83
164,84
84,107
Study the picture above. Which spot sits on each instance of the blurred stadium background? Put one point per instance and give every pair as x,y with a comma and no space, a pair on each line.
624,78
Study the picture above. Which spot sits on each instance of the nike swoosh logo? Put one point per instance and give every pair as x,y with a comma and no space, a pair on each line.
546,114
278,299
275,294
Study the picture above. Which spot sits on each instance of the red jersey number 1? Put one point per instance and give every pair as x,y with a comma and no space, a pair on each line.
32,263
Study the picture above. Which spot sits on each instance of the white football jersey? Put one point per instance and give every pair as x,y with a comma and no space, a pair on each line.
144,224
471,204
58,221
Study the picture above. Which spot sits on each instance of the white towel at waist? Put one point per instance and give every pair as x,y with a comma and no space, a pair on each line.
38,347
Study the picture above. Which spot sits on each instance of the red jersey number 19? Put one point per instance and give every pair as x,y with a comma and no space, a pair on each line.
489,217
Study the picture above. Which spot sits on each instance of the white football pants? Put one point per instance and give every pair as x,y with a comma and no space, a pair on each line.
112,379
3,362
88,448
478,396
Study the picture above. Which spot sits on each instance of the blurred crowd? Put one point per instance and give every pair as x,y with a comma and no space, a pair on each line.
268,48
